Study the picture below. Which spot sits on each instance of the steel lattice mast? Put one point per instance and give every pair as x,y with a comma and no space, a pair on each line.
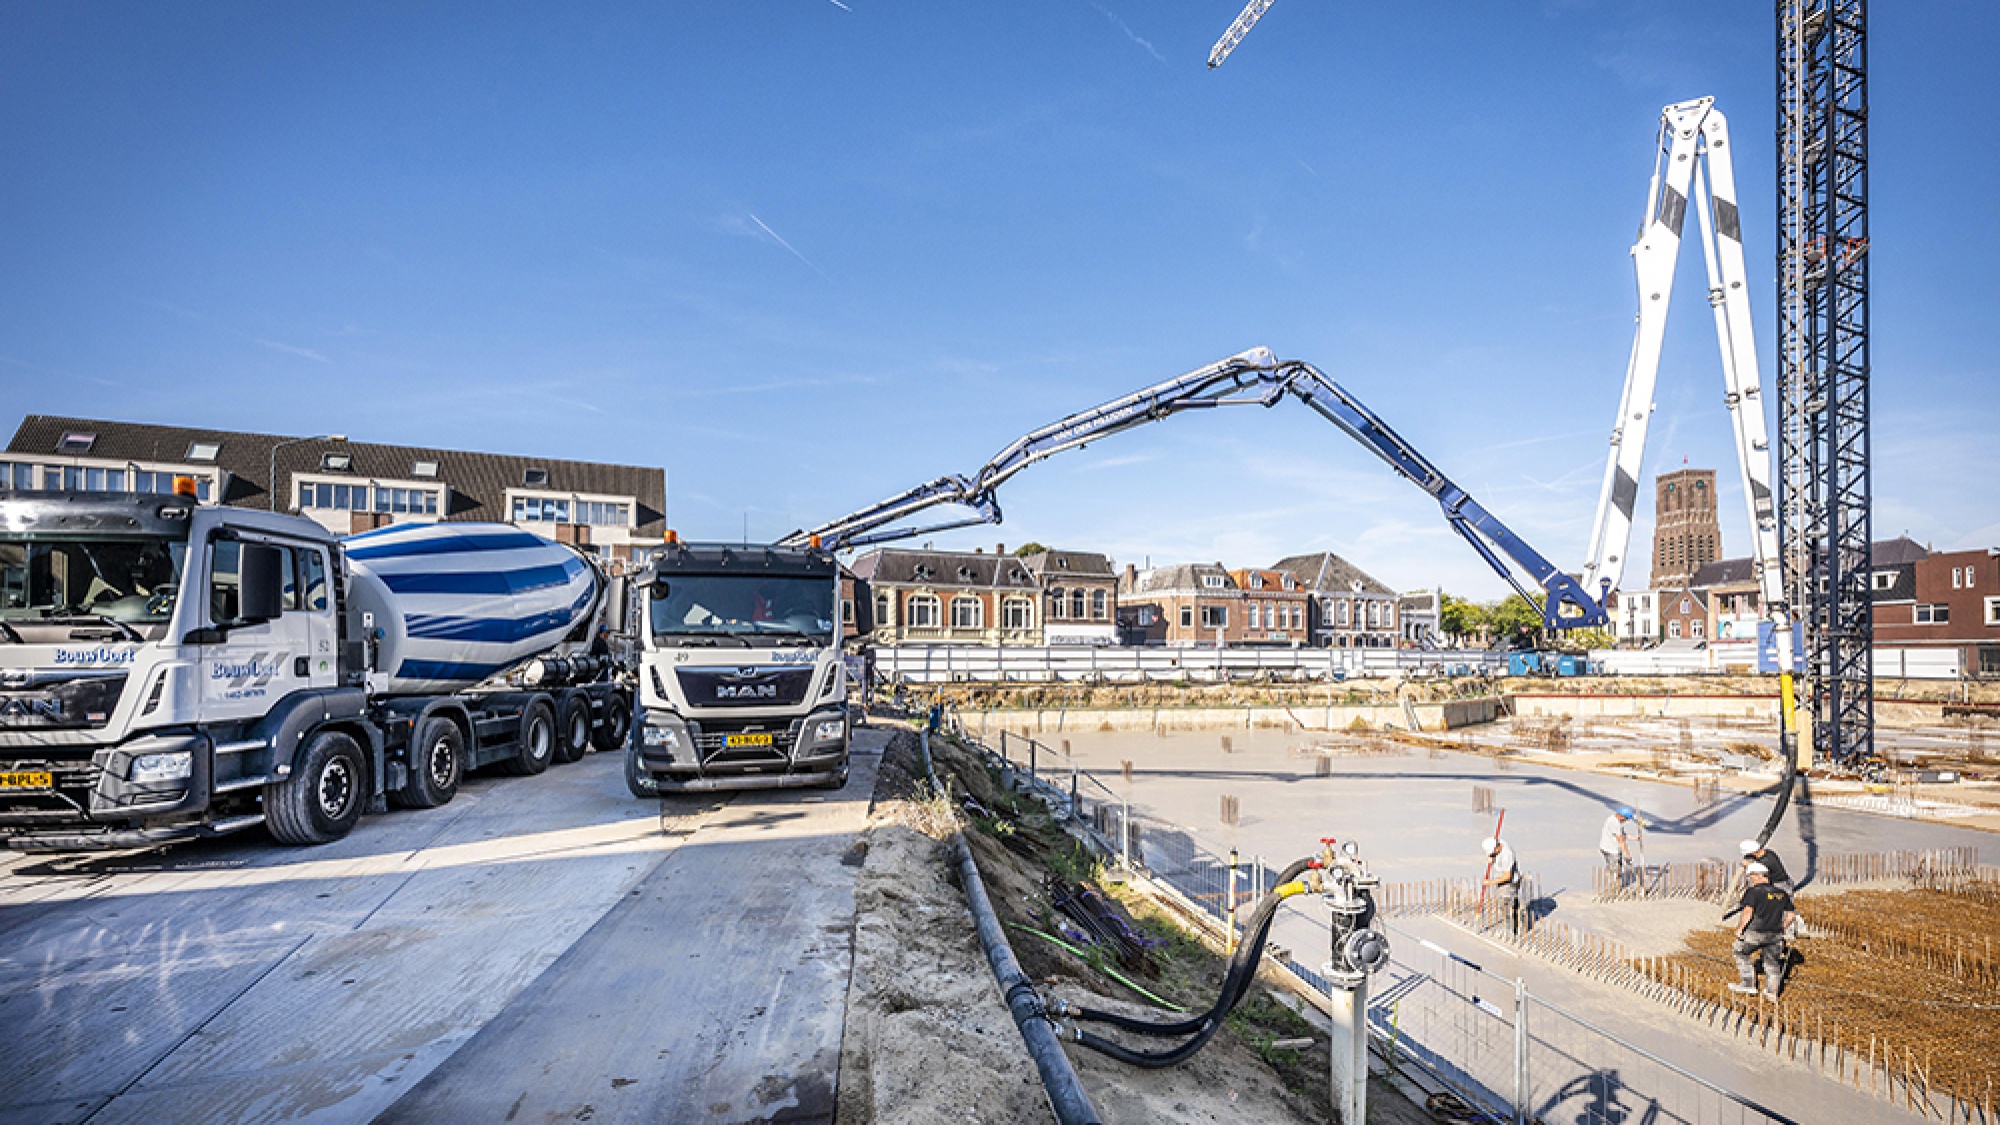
1823,362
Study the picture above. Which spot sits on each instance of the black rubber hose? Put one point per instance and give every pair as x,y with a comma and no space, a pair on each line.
1235,985
1785,787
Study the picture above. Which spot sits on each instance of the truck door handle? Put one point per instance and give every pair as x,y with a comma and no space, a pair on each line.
300,667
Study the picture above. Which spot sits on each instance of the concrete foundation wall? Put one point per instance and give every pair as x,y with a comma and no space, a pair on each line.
1551,705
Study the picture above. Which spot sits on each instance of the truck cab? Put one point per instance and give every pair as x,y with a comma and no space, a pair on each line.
741,683
144,639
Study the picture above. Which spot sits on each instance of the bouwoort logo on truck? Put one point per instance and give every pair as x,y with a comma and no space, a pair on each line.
247,677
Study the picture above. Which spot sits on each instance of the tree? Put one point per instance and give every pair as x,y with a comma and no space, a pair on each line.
1460,618
1029,548
1514,617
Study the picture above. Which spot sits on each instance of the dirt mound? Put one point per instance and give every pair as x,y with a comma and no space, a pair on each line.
928,1037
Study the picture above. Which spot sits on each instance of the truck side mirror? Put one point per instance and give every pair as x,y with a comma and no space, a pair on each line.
263,584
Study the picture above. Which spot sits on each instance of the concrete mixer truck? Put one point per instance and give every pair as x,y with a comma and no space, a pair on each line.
741,682
170,669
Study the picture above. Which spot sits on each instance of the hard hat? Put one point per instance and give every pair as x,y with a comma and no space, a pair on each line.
1489,845
1625,812
1750,847
1755,869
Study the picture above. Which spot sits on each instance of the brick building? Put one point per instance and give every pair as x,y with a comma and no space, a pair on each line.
345,486
1684,614
951,598
1350,609
1079,596
1954,603
1275,610
1193,604
1686,533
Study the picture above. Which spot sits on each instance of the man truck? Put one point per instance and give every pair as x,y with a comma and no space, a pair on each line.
171,669
741,681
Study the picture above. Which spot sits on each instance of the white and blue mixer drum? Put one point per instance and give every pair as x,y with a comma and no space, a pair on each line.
455,603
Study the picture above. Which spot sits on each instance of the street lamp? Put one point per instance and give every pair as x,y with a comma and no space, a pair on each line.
272,496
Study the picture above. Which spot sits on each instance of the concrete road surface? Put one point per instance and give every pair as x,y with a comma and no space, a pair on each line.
543,948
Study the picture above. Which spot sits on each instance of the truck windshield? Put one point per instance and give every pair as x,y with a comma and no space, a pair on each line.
112,583
743,605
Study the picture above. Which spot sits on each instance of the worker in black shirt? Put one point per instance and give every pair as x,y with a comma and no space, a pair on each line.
1754,852
1760,929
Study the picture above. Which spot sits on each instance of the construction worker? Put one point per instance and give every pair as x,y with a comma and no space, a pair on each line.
1754,852
1503,877
1613,842
1766,914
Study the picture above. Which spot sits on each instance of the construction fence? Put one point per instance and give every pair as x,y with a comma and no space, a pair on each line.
1507,1054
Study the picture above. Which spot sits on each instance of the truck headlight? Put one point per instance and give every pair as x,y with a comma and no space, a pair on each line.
666,738
829,730
162,767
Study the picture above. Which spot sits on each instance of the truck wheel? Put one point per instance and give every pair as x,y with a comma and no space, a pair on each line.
635,778
437,765
537,743
324,795
572,727
610,735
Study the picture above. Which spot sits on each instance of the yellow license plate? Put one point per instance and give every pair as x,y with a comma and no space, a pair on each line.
732,741
28,779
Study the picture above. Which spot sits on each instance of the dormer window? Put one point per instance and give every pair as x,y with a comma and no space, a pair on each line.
424,470
535,478
965,574
206,451
1289,583
1212,581
335,462
76,444
1062,564
923,572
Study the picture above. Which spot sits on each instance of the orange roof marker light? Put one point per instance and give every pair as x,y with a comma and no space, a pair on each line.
673,536
813,542
185,486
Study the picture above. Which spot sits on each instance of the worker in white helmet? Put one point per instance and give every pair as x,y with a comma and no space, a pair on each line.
1503,878
1754,852
1763,916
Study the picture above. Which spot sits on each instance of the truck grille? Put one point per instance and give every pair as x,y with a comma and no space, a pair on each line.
53,700
711,739
745,687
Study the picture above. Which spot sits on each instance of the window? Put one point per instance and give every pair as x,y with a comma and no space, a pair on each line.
1017,613
204,451
1187,617
885,615
335,462
1212,581
847,612
1882,580
75,443
1215,617
1343,614
1697,629
1686,605
921,611
1058,604
535,478
1993,611
1145,616
1290,582
424,470
1674,630
1100,606
1076,610
226,581
1956,582
1253,616
312,578
1256,583
1939,614
967,612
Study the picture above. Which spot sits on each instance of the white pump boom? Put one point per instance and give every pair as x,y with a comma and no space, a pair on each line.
1692,134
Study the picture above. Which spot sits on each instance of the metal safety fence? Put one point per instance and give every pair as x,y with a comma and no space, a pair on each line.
1508,1054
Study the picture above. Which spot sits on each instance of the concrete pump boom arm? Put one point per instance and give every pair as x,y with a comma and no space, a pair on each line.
1251,377
1692,134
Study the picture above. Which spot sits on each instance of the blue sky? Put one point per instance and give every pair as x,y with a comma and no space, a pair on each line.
806,254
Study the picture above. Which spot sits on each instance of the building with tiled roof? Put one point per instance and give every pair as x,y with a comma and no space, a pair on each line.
1351,609
1079,596
1275,609
1184,606
951,597
346,486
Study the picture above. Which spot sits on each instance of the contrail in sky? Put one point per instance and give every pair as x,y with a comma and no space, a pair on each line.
787,245
841,6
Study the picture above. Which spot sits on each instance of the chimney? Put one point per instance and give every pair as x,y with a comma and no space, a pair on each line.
1000,548
1131,576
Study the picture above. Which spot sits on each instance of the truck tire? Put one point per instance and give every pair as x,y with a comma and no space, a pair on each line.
634,775
437,765
536,746
610,734
572,727
324,796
